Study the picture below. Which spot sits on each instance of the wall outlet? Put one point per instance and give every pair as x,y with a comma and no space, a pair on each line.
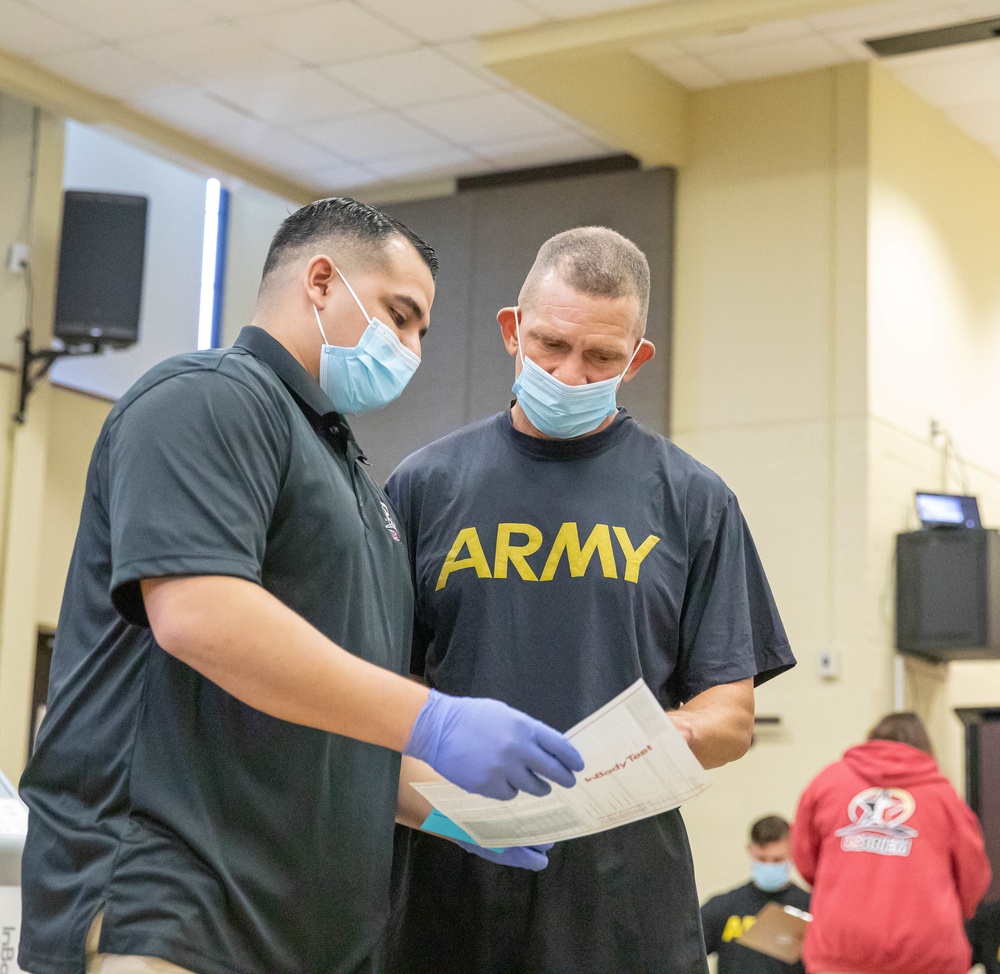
826,665
17,257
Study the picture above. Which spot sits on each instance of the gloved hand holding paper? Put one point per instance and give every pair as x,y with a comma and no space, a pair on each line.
637,764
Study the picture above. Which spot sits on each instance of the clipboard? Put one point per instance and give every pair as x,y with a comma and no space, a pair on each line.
778,932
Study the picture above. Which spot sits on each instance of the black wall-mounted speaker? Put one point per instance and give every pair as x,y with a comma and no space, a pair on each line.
101,259
948,593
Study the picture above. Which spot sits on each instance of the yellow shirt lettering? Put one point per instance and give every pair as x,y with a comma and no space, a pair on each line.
516,554
633,557
467,538
568,542
732,930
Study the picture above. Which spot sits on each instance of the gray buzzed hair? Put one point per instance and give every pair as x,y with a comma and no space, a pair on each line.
595,261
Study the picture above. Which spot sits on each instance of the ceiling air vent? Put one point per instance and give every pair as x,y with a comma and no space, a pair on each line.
927,40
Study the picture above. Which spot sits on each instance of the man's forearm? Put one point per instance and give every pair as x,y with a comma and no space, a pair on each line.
412,808
242,638
718,723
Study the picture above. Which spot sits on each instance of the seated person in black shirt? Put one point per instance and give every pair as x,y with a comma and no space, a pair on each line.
729,915
983,931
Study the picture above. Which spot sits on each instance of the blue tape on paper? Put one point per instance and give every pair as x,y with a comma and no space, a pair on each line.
440,824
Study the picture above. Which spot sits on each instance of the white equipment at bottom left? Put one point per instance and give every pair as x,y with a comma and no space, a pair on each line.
13,829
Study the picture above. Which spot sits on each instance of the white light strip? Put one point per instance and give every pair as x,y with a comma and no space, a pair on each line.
206,314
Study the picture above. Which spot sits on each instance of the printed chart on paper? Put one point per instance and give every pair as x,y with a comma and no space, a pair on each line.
637,764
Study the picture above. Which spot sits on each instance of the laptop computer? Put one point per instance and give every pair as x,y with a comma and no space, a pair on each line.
947,510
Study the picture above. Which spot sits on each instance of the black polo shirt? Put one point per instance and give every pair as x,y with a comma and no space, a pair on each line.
212,835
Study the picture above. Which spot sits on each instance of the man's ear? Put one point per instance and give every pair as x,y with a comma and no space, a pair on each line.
508,325
320,277
646,351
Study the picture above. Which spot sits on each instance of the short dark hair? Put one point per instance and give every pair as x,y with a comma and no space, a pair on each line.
346,223
770,828
905,727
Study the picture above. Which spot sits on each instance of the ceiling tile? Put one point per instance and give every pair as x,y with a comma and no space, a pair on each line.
282,151
867,16
410,78
692,73
583,8
197,112
468,54
119,20
975,9
329,33
955,83
851,39
954,54
233,9
538,151
982,122
362,138
292,98
483,119
443,162
30,33
753,36
336,179
112,72
445,20
658,52
217,52
784,57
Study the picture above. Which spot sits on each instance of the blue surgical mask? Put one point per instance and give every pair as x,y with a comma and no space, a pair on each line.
560,410
770,876
369,375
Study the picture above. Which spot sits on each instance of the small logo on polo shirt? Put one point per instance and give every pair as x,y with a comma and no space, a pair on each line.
390,524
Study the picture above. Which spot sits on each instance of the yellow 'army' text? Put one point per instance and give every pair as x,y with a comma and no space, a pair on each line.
529,540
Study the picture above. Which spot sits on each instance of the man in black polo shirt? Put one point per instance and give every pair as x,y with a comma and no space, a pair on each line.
561,552
726,917
216,779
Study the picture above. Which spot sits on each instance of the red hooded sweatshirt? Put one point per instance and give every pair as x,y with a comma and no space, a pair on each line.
896,861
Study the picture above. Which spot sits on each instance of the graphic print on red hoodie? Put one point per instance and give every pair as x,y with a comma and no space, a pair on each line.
896,861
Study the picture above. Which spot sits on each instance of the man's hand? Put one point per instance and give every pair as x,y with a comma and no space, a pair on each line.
491,749
718,723
533,857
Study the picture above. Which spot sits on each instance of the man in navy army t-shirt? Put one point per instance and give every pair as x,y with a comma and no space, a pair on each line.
217,776
726,917
560,552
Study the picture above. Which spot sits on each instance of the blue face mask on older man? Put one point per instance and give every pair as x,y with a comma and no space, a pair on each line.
560,410
370,374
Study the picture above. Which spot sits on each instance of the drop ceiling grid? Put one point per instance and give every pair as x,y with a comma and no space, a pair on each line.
369,90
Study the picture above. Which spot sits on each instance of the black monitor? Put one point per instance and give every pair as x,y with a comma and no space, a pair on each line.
947,510
101,259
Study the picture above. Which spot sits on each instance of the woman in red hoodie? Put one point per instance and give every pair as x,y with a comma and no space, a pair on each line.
895,858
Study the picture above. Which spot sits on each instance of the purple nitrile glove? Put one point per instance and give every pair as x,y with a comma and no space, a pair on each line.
491,749
533,857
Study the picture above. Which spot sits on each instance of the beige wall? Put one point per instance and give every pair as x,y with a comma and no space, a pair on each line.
31,161
769,390
836,289
75,420
934,348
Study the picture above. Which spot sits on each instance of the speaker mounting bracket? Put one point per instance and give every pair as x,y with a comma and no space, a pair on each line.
36,362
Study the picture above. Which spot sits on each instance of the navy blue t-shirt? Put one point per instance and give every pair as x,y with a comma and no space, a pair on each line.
213,835
552,575
726,917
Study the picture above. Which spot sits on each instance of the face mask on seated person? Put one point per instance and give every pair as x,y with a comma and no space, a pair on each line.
770,876
369,375
560,410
